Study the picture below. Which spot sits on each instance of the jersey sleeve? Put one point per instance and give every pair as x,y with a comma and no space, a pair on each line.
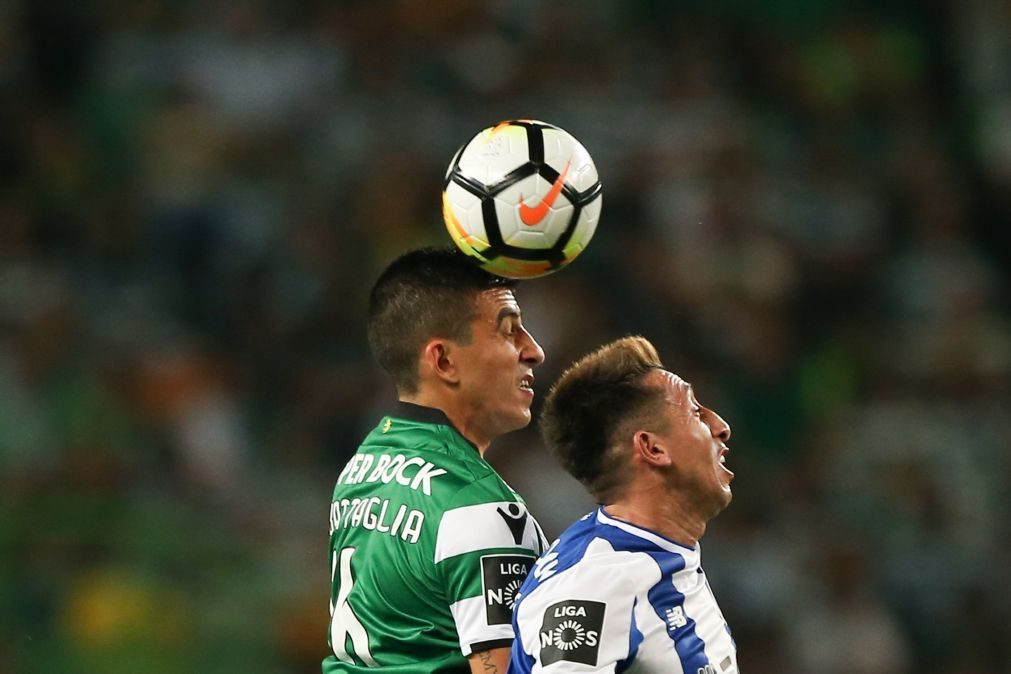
483,552
583,620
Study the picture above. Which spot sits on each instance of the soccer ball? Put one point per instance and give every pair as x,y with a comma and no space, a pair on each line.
522,198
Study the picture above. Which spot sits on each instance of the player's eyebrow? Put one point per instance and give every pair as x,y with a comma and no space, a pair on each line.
507,312
690,390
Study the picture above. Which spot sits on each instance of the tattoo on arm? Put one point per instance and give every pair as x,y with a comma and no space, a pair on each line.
489,666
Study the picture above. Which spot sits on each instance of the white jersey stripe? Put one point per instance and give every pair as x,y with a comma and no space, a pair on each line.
470,613
484,526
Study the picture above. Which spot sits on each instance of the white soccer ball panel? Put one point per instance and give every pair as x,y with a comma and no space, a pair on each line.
493,153
585,228
561,151
583,177
465,208
531,240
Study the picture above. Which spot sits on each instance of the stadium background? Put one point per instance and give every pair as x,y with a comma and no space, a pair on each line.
806,207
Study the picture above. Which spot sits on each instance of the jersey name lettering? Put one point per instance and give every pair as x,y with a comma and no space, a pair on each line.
389,468
377,514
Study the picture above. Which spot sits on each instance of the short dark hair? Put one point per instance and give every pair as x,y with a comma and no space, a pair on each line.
591,406
425,293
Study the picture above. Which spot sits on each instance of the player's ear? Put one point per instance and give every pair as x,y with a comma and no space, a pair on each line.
648,448
437,360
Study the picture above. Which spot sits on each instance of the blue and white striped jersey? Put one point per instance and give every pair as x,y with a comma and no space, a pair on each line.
609,596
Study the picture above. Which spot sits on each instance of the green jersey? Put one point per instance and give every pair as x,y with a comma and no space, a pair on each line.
428,547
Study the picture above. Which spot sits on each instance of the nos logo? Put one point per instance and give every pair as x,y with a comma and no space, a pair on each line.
501,577
571,632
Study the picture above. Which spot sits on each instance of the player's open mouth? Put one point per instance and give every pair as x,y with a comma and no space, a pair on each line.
723,459
527,383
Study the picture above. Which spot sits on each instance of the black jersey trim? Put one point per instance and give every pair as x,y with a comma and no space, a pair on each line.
488,645
427,415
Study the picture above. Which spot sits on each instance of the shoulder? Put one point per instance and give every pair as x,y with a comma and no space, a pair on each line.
427,457
597,559
464,477
485,517
577,603
629,569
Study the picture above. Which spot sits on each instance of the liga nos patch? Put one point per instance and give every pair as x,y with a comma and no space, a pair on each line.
570,631
501,577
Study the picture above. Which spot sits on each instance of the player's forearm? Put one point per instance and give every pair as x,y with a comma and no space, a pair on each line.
493,661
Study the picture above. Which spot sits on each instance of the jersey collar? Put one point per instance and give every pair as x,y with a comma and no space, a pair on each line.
427,415
604,517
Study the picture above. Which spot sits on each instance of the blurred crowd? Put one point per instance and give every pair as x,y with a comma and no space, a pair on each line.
807,209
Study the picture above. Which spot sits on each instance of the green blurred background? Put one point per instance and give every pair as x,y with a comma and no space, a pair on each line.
806,207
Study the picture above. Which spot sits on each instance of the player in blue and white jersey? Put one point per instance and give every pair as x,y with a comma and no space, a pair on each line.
622,589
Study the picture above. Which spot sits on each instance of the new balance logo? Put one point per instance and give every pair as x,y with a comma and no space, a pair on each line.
676,617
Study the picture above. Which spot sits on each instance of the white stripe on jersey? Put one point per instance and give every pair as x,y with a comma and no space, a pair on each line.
472,625
485,526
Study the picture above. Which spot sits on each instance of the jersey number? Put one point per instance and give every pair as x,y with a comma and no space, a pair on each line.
343,621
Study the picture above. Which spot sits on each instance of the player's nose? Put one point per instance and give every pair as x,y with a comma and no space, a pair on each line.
531,352
719,427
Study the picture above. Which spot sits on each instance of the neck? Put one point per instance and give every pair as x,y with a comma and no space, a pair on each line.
660,512
460,420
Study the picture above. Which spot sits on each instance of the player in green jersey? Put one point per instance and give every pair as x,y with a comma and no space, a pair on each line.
428,545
